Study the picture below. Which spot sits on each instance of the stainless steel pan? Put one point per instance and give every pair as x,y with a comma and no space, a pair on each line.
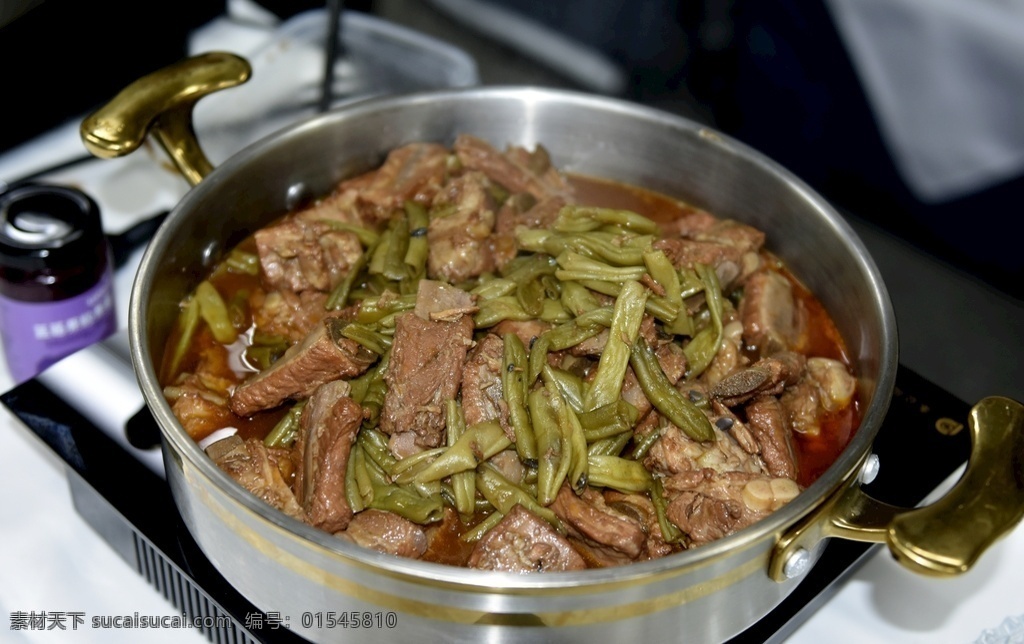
707,594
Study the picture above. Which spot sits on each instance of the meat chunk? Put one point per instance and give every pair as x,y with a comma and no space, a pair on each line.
482,397
440,301
768,376
386,532
594,346
327,430
526,330
518,171
521,210
459,231
412,172
674,452
200,408
707,506
827,386
589,518
300,255
729,357
424,372
199,399
834,381
641,508
767,421
258,469
523,542
324,355
768,310
731,248
287,314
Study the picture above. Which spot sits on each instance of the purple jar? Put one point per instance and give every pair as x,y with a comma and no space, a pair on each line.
56,277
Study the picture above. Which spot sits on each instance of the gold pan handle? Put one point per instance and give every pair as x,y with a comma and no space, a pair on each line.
947,537
162,103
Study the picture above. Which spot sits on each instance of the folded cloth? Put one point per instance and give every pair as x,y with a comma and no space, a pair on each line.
943,78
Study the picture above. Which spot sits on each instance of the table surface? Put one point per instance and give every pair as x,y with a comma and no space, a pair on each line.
52,562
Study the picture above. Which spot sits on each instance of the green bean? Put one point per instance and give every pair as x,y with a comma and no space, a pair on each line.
701,350
644,444
578,267
375,446
527,267
554,312
584,218
185,327
569,385
367,237
530,295
407,503
374,310
361,384
361,474
534,240
669,531
655,306
526,274
380,253
284,432
378,475
352,494
408,469
416,251
394,266
505,495
473,535
479,442
538,358
492,288
608,420
463,483
606,386
239,261
497,309
689,282
339,295
619,474
601,317
552,288
373,340
373,398
238,309
667,399
601,246
552,449
664,273
582,328
215,312
611,446
515,366
574,441
577,299
681,325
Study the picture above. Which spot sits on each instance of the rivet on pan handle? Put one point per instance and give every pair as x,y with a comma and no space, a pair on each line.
161,103
947,537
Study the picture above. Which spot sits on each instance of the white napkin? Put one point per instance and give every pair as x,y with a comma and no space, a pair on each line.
945,79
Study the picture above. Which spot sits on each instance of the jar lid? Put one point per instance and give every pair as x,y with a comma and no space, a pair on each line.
46,227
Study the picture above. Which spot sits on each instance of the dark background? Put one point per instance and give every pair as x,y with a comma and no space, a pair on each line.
772,73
